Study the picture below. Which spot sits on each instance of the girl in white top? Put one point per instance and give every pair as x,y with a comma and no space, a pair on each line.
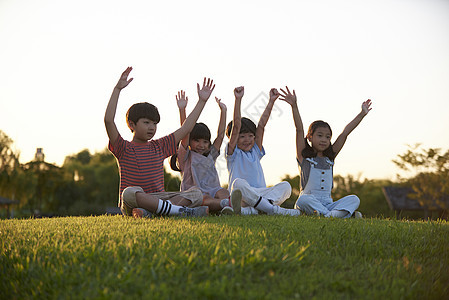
243,154
316,163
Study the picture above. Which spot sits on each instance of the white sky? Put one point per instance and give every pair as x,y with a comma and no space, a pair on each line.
60,60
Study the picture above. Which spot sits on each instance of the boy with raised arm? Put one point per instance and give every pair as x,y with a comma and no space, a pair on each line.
141,160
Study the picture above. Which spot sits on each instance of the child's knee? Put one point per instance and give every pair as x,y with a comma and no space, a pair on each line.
354,199
286,188
129,199
305,202
194,195
239,184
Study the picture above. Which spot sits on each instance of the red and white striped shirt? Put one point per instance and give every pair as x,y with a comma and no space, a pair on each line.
142,164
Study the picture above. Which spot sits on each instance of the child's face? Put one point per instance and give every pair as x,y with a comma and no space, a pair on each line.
321,139
246,141
200,146
144,130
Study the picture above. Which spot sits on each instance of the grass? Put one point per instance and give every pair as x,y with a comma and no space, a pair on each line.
254,257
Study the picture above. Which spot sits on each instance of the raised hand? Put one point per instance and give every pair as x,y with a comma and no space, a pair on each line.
181,99
205,92
124,81
274,94
288,96
239,91
366,106
220,104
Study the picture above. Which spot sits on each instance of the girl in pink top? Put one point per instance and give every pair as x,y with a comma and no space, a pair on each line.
196,160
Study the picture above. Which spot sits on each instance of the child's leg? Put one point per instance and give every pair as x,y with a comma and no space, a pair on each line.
249,194
310,205
344,208
193,197
134,197
278,193
213,203
234,200
222,194
179,200
254,198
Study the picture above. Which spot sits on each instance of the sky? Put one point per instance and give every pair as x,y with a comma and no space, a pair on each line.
60,61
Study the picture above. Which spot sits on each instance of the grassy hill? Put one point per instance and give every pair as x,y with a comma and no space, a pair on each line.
232,257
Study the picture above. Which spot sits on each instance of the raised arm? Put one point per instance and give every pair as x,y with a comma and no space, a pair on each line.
291,99
203,94
109,116
274,94
221,125
237,119
340,141
181,101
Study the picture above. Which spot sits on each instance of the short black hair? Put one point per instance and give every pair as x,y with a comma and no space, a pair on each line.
200,131
142,110
248,126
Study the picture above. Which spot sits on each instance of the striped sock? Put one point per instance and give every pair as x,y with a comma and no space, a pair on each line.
165,208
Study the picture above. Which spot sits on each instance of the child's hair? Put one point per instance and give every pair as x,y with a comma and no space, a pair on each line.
308,151
142,110
174,163
199,131
248,126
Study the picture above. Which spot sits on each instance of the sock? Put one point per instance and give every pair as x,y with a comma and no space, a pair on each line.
264,205
225,202
336,214
166,208
248,210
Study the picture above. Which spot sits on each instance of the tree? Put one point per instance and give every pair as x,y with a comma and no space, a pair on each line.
42,180
91,183
9,166
430,175
11,173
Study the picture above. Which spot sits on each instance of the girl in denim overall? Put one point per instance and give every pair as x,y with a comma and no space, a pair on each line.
316,162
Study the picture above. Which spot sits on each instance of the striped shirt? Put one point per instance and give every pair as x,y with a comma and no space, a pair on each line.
142,164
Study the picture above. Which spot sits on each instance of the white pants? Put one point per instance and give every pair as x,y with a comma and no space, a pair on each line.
309,203
250,195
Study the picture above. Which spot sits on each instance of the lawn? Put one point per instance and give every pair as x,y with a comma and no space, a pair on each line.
229,257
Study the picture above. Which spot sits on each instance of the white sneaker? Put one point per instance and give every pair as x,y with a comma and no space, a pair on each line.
200,211
227,210
236,201
248,210
277,210
357,215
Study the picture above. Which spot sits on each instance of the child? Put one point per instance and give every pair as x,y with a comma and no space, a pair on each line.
243,154
316,164
196,160
141,160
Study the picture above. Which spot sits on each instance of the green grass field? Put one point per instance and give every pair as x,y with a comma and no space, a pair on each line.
232,257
